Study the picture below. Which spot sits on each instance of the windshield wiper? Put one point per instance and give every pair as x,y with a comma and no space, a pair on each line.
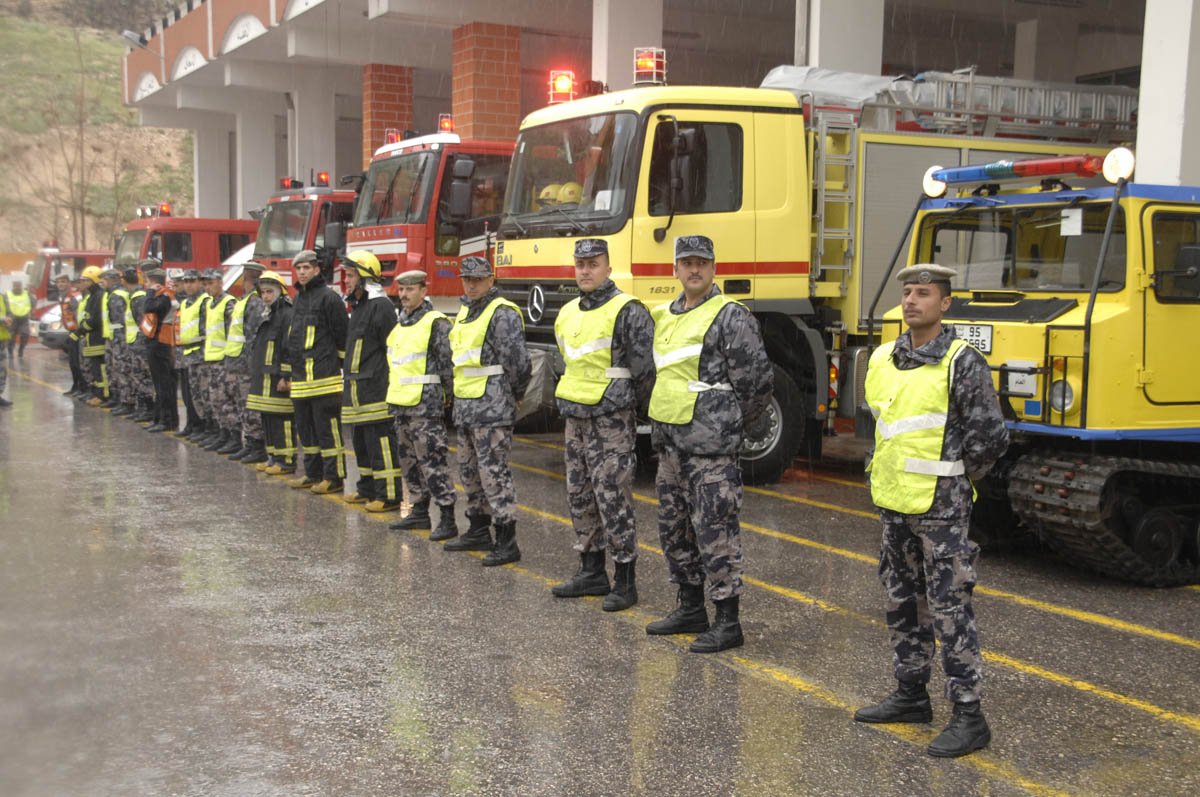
386,202
566,216
416,186
513,218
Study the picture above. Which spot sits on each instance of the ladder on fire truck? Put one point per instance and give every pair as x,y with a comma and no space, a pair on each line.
835,146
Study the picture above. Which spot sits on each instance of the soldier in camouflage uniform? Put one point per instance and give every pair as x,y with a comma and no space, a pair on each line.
143,385
218,317
491,372
191,357
114,339
420,383
714,380
605,337
245,321
930,391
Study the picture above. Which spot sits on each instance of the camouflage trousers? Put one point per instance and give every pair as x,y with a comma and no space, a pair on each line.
116,363
203,376
927,566
234,416
3,367
422,453
279,436
600,464
139,374
379,477
483,453
699,498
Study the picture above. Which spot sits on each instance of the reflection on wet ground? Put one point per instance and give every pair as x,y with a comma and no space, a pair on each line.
176,623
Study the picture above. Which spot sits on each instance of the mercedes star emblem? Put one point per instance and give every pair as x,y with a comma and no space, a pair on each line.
536,308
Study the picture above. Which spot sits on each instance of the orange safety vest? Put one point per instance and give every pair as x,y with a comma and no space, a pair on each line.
69,321
150,326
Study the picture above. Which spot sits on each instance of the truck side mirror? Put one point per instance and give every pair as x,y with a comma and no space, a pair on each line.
458,205
335,235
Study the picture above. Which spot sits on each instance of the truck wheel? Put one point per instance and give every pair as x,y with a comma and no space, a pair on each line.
765,458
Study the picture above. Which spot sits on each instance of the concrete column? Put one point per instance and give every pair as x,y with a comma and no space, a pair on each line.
387,102
256,177
211,191
619,26
312,131
1044,48
845,35
486,80
1169,102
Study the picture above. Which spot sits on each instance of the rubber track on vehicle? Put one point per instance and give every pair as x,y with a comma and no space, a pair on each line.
1081,535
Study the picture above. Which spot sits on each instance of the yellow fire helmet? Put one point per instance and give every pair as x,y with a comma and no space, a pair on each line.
549,195
91,273
273,277
365,263
570,192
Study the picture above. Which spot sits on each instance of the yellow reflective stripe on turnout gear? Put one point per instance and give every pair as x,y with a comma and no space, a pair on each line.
911,408
585,341
466,343
317,387
678,343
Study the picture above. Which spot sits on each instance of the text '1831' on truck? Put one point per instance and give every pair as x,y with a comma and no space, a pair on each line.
179,242
1086,303
295,218
426,203
804,184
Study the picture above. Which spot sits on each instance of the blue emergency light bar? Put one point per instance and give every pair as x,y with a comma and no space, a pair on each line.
1118,163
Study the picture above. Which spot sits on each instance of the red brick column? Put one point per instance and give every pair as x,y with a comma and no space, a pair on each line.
486,81
387,102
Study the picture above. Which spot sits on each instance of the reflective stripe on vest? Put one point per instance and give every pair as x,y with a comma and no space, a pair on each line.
106,327
19,306
214,329
189,323
237,327
585,341
466,344
678,341
131,328
408,358
910,408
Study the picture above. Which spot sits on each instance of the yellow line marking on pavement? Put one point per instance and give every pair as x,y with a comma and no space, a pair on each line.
810,502
527,441
33,379
1032,603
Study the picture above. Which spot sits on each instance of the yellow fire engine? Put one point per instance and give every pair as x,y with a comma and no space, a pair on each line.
804,184
1081,299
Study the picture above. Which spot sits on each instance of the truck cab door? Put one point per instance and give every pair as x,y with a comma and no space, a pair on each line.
697,164
1171,305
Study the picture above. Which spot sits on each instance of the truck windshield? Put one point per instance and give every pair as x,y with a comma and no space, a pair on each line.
283,229
129,248
579,168
398,189
1046,248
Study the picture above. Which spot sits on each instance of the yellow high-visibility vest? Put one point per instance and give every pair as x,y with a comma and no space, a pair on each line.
910,409
214,329
131,328
408,360
585,341
189,322
237,327
678,341
106,327
19,306
466,345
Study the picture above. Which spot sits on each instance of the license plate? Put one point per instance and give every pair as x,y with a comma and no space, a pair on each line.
978,335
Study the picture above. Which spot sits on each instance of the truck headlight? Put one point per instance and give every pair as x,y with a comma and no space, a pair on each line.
1062,396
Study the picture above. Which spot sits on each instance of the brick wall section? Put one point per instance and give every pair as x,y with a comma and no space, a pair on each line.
387,102
486,81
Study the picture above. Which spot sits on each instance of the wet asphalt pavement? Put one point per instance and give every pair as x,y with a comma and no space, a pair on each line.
175,623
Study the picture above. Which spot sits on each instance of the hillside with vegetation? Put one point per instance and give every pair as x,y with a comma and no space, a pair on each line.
76,165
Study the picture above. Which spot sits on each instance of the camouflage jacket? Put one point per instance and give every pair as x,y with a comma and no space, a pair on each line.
251,321
975,430
115,306
371,319
632,348
438,361
505,346
733,353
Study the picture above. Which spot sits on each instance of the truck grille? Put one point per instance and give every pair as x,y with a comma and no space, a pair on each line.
553,293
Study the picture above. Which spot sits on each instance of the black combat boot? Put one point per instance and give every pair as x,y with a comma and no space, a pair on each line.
204,433
589,579
689,617
187,431
157,426
726,631
217,441
505,550
909,703
967,732
417,518
109,404
624,591
243,450
233,444
447,527
124,409
477,538
257,452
